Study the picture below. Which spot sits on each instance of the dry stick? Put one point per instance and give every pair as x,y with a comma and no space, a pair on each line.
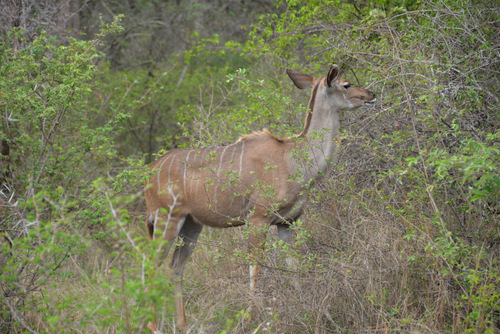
410,108
427,186
136,248
57,121
15,315
14,101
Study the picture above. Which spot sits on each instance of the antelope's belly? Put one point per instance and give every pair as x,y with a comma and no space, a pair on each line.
220,214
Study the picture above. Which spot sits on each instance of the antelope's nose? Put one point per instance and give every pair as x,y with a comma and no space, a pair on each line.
371,103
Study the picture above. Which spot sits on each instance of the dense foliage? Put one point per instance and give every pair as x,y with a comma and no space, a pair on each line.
401,235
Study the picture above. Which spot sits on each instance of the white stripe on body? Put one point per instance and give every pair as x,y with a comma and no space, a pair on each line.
192,177
241,157
201,174
241,166
184,178
232,154
218,172
170,167
220,162
159,171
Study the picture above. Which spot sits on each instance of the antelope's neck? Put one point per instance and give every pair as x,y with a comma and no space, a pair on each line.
319,145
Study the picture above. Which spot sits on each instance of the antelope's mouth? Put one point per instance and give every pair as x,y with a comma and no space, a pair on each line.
370,103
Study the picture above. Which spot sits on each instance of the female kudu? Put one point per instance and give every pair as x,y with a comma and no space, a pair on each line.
256,181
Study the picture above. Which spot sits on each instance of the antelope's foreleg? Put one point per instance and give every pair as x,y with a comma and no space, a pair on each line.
166,228
286,233
258,232
189,234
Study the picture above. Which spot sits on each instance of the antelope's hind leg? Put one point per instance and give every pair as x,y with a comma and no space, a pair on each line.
189,234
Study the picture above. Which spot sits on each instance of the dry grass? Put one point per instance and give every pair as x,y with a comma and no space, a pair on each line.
358,280
357,274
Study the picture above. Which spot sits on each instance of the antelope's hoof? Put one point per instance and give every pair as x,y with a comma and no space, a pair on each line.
153,328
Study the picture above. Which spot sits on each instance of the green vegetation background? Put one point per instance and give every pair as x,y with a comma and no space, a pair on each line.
402,235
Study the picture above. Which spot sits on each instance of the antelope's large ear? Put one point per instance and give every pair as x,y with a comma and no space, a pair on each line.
301,80
332,75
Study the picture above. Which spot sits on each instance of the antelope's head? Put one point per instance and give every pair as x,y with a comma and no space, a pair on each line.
332,92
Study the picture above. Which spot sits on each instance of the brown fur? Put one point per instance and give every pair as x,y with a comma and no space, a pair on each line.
213,191
249,182
264,133
309,113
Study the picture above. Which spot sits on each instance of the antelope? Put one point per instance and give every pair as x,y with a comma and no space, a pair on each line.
258,180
